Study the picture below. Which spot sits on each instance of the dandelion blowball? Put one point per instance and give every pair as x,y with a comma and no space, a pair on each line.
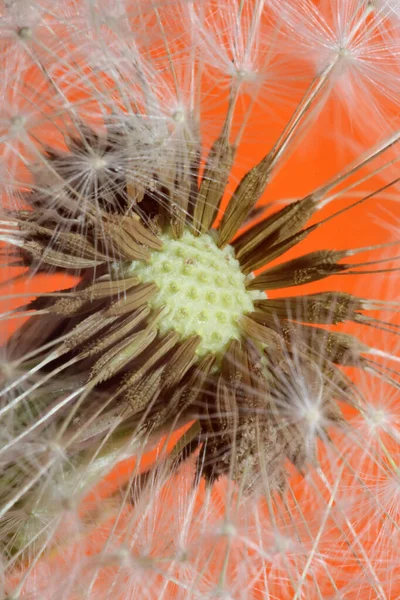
161,277
167,319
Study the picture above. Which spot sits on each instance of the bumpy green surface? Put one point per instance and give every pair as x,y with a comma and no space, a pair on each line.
200,286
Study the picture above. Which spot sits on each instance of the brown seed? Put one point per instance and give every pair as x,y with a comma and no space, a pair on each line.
244,198
212,187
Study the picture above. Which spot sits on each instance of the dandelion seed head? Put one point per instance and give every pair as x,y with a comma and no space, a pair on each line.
377,418
355,44
175,307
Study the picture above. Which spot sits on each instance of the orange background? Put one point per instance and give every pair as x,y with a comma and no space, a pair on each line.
324,151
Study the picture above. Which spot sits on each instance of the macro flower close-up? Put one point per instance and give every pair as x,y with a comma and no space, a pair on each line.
199,238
